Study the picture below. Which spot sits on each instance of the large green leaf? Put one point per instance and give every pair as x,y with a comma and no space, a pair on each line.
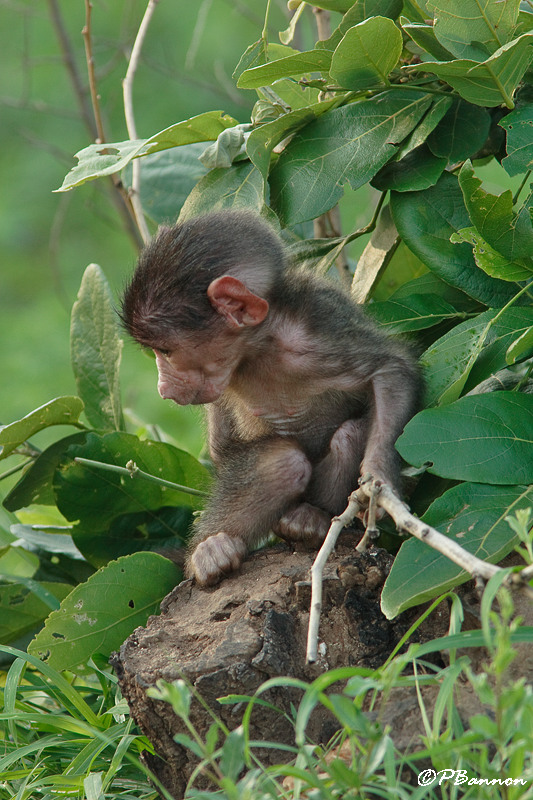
367,54
474,28
239,186
294,65
105,159
264,138
473,515
493,81
61,411
518,125
426,220
427,124
117,514
424,36
491,261
418,170
471,352
167,179
509,232
347,144
98,615
414,313
95,350
461,133
485,438
36,484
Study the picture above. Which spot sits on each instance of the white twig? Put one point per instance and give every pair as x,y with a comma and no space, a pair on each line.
337,524
405,521
127,90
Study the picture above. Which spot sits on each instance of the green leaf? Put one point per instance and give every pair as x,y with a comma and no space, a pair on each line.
347,144
424,36
47,542
414,313
36,484
117,514
232,757
367,54
359,12
486,438
263,139
507,231
95,350
471,514
426,220
332,5
229,147
471,352
239,186
105,159
428,123
98,615
489,260
419,169
253,55
61,411
492,82
22,610
521,347
461,133
167,179
474,28
519,124
429,283
294,65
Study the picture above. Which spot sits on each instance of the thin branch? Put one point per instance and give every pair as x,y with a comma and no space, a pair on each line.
95,99
337,524
127,89
80,92
405,521
131,470
119,194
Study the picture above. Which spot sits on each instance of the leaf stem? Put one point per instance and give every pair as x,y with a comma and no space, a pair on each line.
518,191
132,470
16,469
264,32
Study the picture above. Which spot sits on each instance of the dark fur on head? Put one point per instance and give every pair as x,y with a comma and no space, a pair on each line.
167,294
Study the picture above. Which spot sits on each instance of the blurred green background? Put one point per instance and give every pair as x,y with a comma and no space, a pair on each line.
48,239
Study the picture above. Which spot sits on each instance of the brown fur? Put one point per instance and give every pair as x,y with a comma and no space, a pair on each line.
303,392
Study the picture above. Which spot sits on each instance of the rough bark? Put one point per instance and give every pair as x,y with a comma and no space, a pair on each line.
253,626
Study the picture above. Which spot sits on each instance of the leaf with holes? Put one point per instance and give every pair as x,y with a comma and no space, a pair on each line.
99,614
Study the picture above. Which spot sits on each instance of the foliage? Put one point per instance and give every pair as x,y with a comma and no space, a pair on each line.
100,518
75,738
68,739
362,760
413,98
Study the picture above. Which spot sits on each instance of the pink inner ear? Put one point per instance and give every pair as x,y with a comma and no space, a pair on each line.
231,298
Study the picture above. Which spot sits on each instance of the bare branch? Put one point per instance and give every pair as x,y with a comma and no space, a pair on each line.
127,88
337,524
80,92
96,129
385,498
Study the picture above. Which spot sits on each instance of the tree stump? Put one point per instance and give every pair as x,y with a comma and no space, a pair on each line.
253,626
